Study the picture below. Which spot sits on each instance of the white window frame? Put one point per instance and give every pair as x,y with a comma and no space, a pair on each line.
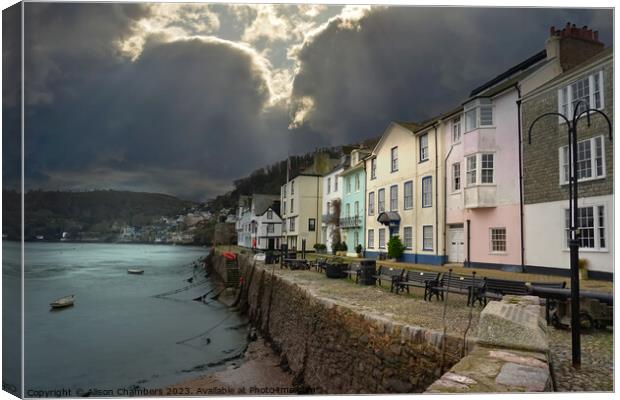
329,185
424,153
292,208
335,183
357,182
494,234
380,204
476,172
371,238
408,197
348,210
347,184
269,214
382,238
271,228
456,177
408,241
394,198
475,109
456,130
356,208
292,188
566,95
371,203
563,158
373,168
394,159
427,191
597,227
291,224
428,228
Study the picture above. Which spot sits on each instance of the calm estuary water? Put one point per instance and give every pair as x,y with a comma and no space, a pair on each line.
124,330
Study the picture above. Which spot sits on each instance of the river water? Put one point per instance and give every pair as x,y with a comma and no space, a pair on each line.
124,331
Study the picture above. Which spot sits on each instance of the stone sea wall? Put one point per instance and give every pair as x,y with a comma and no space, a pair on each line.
331,348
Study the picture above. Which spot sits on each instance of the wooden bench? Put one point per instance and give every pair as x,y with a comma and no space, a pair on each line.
497,288
354,270
296,263
420,279
319,264
462,284
389,274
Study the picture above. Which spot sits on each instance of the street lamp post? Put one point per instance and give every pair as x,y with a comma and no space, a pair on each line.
573,243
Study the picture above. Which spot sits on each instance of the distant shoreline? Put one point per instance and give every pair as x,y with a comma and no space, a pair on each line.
103,242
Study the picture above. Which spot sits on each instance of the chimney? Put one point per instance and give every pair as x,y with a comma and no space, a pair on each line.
572,45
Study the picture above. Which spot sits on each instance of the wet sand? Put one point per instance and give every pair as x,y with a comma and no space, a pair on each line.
257,373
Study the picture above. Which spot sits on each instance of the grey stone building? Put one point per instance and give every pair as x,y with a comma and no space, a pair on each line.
545,165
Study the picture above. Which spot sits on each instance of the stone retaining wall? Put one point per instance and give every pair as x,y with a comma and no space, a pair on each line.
332,348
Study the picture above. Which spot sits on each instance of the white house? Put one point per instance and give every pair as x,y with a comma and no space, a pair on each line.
332,204
259,224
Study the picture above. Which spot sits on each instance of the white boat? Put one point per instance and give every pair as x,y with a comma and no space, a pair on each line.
66,301
135,271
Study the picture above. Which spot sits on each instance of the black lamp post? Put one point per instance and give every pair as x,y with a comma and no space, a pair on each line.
573,243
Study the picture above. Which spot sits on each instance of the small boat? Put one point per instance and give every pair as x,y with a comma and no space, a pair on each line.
135,271
66,301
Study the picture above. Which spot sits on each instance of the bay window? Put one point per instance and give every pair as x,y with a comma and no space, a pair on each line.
480,169
478,113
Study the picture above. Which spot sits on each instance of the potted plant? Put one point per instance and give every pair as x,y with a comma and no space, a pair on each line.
320,248
343,248
335,248
358,250
395,248
583,269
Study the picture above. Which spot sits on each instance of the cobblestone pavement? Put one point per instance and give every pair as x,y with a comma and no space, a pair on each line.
597,361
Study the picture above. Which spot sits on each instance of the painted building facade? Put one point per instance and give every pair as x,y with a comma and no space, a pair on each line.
484,208
301,204
259,225
332,205
547,219
353,212
401,193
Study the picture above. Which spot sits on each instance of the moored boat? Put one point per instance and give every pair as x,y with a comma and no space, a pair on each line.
66,301
135,271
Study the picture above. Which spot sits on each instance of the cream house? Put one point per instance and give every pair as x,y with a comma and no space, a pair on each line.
300,200
403,194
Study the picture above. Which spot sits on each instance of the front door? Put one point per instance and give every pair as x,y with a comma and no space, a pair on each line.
456,253
271,243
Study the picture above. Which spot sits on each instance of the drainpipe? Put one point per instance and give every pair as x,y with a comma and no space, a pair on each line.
468,243
437,194
521,214
445,198
316,224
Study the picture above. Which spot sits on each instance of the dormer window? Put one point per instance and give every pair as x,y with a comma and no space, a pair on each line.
478,113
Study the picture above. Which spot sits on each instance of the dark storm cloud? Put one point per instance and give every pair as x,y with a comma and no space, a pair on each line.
188,117
413,63
185,118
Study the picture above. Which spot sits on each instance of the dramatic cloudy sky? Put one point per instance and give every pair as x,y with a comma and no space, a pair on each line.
184,98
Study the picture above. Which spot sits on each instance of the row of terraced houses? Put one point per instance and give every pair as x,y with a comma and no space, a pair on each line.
468,186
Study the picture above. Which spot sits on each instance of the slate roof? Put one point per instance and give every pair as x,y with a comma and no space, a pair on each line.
262,202
520,68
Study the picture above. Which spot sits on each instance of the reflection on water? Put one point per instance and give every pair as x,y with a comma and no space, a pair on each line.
124,329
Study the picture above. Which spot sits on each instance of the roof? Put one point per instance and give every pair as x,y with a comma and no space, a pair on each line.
410,126
519,68
431,121
579,69
262,202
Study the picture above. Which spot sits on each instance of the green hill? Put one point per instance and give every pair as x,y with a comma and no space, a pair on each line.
50,213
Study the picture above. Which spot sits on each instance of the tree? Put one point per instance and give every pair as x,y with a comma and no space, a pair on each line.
395,247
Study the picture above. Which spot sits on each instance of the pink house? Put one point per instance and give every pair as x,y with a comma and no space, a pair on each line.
484,197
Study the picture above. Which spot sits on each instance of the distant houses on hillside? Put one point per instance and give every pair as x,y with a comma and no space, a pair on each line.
466,187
